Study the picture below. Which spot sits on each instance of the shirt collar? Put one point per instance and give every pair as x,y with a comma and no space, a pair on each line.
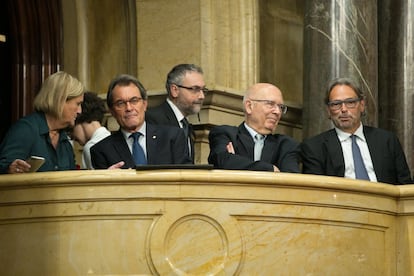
342,135
251,131
143,131
176,111
44,128
360,132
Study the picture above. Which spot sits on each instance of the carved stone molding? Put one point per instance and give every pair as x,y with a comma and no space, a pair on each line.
203,222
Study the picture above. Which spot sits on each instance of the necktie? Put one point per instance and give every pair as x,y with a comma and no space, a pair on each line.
258,146
184,122
137,151
360,170
186,128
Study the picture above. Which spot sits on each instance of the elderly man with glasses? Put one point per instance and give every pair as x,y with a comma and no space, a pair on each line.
352,149
253,145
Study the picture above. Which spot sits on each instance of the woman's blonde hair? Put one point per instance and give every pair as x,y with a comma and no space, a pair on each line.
55,91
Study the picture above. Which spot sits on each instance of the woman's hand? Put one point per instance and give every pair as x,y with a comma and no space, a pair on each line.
19,166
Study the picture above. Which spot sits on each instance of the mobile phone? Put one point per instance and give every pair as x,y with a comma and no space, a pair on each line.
35,162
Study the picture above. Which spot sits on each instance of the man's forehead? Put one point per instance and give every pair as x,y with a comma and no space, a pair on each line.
268,93
342,91
131,89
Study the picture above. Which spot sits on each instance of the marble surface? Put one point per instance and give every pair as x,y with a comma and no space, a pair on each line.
395,84
340,40
203,222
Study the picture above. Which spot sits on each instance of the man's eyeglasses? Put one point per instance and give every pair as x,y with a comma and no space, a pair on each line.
194,89
349,103
122,104
272,105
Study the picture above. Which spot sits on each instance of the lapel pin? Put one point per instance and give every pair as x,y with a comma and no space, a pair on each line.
154,137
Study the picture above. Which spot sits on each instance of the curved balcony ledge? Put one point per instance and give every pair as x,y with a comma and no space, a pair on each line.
198,222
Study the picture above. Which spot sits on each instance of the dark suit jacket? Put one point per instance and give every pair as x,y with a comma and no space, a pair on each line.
165,145
279,150
164,115
323,155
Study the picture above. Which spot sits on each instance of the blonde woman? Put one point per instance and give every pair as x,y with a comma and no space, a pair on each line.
43,133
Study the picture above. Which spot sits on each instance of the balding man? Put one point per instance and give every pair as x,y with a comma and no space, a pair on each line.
252,145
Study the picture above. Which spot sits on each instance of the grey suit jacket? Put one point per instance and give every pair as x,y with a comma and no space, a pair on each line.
322,154
279,150
165,145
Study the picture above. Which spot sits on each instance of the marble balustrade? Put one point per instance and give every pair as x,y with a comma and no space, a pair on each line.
203,222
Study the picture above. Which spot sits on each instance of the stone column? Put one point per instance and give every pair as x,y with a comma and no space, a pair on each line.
396,71
99,40
340,41
229,41
229,57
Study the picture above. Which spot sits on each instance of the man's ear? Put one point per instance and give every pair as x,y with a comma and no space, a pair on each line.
328,112
112,112
174,91
362,103
145,104
248,106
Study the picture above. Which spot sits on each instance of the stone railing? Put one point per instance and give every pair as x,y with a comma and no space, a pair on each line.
203,222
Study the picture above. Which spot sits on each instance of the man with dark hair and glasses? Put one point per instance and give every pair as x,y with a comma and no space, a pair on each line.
352,149
186,91
136,142
253,145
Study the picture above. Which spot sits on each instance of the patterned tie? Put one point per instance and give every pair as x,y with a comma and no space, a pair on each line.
137,151
258,146
360,170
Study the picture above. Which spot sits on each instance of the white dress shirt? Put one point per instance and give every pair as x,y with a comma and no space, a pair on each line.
97,136
346,143
141,140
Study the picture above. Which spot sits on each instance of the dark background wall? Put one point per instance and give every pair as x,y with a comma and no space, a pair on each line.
32,52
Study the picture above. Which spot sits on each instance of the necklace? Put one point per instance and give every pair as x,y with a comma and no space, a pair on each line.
53,133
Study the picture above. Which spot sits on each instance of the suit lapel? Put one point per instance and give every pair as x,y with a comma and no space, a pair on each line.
374,142
169,113
270,144
121,147
334,152
151,144
246,143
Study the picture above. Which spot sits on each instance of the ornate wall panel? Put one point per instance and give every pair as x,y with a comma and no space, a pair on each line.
203,222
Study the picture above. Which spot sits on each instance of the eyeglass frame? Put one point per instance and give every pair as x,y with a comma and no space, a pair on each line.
349,103
194,89
121,104
272,104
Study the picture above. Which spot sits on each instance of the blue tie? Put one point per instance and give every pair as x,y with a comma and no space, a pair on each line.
137,151
360,170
